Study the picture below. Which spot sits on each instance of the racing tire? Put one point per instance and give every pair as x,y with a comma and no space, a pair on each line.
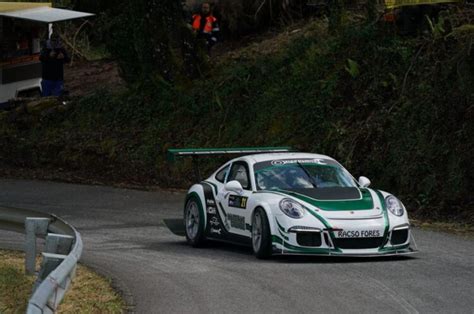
261,235
194,222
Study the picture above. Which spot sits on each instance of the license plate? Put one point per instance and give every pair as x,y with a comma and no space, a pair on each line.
346,234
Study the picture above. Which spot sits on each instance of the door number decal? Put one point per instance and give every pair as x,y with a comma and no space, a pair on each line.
238,201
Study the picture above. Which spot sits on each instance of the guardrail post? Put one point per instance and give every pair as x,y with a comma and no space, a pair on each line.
50,262
58,270
58,243
34,227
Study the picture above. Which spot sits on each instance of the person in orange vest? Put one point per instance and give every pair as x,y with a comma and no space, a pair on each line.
205,25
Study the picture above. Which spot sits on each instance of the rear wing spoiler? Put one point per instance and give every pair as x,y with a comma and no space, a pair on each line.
173,154
194,153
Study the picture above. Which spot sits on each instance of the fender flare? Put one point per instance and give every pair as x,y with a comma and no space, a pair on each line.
197,191
271,221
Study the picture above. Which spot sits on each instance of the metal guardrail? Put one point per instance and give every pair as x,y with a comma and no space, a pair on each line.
62,251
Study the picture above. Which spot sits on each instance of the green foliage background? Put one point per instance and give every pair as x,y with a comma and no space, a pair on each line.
397,110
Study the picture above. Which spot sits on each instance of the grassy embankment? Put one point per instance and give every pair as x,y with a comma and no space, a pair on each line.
90,293
398,110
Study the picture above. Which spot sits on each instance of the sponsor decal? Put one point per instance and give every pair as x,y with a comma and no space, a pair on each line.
211,210
359,234
236,221
238,201
225,220
223,211
210,202
214,222
283,162
216,231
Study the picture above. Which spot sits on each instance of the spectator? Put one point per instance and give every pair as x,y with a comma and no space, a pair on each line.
205,25
53,57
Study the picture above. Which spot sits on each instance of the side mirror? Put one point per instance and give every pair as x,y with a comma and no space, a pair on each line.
364,182
234,186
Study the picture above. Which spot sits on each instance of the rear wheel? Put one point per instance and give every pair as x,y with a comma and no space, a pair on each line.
193,221
261,237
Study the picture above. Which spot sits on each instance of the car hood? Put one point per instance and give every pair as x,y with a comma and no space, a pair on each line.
339,199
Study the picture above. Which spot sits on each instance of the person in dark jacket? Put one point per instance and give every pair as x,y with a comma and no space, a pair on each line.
53,57
205,25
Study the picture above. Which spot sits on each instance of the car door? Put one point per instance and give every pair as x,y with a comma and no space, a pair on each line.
235,205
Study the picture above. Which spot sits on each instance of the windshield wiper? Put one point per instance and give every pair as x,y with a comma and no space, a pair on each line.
308,174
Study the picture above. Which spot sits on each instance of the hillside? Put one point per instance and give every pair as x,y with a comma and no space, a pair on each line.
396,109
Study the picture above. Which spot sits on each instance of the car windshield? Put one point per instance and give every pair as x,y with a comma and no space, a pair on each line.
302,176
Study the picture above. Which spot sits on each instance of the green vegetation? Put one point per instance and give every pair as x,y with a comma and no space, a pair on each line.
398,110
15,287
90,294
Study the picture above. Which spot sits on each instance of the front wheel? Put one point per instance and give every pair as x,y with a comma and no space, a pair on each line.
261,237
193,221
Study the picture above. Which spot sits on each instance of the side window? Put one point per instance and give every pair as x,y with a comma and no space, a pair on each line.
239,172
220,176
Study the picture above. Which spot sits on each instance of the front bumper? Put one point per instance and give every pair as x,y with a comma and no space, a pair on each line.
397,240
407,251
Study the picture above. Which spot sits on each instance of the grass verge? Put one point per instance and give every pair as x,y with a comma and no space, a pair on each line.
90,293
461,229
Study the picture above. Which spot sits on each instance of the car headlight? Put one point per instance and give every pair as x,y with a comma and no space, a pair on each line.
292,209
394,205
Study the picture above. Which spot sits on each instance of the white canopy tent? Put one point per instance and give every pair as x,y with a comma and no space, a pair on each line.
45,14
39,12
20,70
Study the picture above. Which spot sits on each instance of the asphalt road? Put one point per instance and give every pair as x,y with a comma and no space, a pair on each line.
125,238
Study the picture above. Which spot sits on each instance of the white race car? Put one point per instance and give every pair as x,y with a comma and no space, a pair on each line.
294,203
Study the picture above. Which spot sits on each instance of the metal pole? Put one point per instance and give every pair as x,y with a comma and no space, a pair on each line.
34,227
197,172
50,30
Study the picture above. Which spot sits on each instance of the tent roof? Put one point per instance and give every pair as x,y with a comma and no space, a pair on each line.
44,13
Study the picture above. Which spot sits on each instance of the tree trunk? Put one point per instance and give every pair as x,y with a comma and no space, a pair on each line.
371,10
146,37
335,15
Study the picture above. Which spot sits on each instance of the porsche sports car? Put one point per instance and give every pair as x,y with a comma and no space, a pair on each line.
294,203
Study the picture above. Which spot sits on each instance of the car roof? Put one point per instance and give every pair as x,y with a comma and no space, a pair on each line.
256,158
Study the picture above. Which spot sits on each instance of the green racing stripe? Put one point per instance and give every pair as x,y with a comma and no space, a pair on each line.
395,248
284,236
317,216
279,226
365,203
282,231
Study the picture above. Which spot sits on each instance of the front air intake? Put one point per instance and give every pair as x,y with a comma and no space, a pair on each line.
399,236
312,239
358,243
